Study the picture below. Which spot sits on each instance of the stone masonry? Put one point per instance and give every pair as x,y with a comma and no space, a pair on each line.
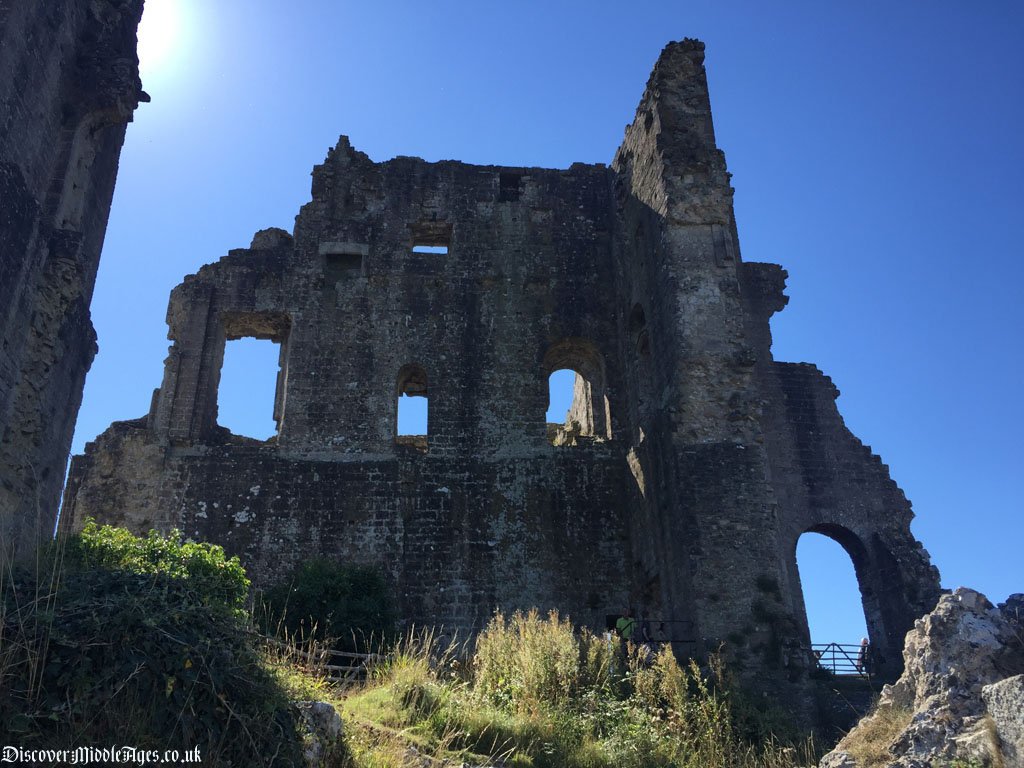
69,84
690,462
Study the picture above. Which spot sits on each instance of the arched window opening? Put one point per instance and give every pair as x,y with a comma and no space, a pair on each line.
640,342
250,397
833,601
570,415
578,409
412,411
640,243
638,331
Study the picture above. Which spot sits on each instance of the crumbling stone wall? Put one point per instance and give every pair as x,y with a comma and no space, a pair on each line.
691,460
68,86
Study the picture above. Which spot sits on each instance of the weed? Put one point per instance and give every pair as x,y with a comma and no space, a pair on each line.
869,742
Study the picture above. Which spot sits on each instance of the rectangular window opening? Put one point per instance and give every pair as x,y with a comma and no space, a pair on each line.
250,395
342,266
345,262
412,415
430,236
509,187
412,421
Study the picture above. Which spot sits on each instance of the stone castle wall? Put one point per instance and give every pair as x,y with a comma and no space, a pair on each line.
68,86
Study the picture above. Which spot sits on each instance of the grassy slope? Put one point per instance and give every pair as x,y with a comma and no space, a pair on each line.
145,641
537,694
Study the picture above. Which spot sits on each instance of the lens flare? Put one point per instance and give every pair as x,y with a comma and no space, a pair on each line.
158,34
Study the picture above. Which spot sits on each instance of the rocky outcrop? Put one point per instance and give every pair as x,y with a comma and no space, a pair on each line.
960,697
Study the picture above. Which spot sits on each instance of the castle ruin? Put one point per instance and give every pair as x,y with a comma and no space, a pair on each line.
690,463
69,85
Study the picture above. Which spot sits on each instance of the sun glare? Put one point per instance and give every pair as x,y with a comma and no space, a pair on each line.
158,34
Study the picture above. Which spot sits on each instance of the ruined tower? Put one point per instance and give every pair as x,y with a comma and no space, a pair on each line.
69,84
690,463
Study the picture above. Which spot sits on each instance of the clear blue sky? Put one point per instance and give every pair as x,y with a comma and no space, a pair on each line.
876,151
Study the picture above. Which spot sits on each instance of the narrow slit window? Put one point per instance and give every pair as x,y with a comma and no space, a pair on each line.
424,248
247,398
638,331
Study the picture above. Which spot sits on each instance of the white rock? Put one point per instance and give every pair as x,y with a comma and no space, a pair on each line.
962,651
322,726
1005,704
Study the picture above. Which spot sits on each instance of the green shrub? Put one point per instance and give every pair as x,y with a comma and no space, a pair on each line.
140,642
201,568
348,606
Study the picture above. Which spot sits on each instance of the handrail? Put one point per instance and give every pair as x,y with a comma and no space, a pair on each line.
664,630
843,659
317,657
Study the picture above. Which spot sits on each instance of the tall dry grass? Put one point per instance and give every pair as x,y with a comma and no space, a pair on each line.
536,692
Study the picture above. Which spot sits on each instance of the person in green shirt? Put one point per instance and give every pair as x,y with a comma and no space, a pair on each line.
625,625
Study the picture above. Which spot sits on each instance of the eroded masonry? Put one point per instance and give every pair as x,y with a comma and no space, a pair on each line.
690,461
69,85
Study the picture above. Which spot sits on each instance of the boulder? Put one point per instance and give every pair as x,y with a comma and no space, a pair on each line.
321,727
956,699
1005,704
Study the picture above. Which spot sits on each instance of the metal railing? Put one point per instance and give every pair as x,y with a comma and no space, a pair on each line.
655,630
844,659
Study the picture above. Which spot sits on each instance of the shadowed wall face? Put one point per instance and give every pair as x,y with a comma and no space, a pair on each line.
689,463
68,86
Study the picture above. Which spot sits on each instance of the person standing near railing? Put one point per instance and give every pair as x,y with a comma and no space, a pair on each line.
862,656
